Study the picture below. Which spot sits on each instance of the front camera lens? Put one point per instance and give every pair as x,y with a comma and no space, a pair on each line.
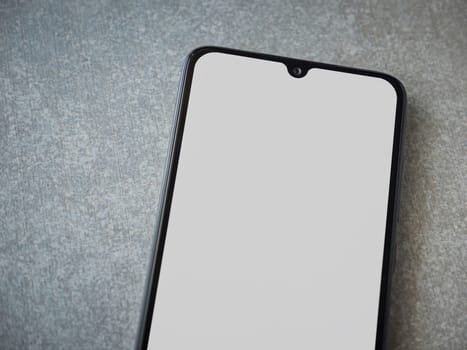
297,71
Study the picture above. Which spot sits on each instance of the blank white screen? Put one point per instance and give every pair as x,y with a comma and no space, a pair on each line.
276,232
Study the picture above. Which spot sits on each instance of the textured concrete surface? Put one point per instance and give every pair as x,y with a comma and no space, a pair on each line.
87,92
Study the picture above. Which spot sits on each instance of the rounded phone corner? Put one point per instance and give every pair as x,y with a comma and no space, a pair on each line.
200,51
397,85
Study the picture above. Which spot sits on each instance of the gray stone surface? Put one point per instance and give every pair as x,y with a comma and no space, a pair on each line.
87,92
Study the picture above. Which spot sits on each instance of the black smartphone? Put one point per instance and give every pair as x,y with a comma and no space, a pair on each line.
278,212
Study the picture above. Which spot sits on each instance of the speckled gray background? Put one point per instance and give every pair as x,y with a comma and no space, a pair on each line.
87,92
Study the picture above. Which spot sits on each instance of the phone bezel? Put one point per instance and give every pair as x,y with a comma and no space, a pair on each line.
171,170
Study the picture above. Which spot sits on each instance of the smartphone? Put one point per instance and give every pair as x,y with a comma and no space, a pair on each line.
277,222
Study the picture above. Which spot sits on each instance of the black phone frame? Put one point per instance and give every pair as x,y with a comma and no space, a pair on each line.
171,170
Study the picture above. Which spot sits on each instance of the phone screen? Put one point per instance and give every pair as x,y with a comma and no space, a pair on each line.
277,225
